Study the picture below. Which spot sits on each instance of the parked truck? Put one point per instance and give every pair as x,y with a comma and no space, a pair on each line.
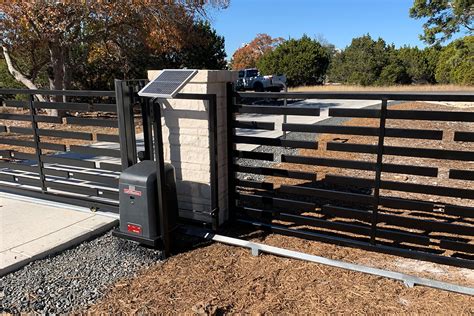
250,79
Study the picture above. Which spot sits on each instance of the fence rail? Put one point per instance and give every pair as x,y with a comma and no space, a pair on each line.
393,177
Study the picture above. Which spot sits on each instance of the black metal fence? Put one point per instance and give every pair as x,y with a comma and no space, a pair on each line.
393,177
73,157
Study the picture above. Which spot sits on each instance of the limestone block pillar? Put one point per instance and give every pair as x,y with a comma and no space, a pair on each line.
186,141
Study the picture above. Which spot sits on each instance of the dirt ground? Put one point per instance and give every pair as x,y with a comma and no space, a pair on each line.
94,130
220,279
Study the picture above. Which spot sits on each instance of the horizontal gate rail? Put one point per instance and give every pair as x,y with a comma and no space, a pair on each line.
349,181
75,106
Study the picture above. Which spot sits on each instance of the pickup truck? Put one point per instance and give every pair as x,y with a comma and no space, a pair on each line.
250,79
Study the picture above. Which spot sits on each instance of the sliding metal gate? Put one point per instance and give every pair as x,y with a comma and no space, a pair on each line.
393,177
71,158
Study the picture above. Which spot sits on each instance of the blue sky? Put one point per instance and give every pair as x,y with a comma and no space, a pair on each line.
338,21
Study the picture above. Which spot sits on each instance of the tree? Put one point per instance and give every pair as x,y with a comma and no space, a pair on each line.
444,18
336,72
361,62
420,64
395,71
456,62
6,79
205,49
248,55
65,37
304,61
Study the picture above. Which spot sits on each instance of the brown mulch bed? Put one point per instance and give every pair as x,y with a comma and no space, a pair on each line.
219,279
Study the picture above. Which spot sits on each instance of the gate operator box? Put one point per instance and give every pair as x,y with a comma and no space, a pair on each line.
139,218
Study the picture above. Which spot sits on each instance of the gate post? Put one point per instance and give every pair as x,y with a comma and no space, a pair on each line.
230,150
195,143
126,123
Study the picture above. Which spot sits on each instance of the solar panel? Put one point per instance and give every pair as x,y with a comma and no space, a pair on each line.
168,83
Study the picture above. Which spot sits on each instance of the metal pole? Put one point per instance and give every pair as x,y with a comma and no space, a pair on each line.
160,179
213,161
126,124
36,138
147,131
378,170
230,151
285,103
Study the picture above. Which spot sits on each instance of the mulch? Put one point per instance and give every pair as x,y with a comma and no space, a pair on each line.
219,279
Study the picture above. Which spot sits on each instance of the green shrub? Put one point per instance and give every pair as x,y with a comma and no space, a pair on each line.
304,61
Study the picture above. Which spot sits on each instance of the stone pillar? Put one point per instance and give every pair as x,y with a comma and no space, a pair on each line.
186,141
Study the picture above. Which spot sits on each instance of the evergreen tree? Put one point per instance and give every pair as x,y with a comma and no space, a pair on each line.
304,61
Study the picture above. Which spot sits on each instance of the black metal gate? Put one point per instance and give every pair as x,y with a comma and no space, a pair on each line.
391,177
71,158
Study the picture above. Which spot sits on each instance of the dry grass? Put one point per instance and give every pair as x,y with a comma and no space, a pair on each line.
436,88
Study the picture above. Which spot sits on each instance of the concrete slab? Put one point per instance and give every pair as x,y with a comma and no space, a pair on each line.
12,260
32,229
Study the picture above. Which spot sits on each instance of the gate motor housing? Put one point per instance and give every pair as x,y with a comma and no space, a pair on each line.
139,216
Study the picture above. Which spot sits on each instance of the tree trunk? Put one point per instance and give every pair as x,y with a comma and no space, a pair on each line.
18,75
56,74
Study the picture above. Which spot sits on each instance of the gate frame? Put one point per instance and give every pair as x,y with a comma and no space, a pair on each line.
43,193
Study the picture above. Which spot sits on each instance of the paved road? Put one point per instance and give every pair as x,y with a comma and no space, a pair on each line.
324,105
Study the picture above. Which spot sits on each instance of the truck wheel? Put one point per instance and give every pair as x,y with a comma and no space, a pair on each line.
258,87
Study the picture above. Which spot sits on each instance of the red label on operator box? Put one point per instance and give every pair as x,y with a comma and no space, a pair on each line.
132,191
136,229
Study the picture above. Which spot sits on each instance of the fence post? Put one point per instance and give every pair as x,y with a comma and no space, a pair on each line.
160,165
126,123
36,139
230,150
213,160
378,169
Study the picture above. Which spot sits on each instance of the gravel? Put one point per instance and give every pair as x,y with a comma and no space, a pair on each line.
74,279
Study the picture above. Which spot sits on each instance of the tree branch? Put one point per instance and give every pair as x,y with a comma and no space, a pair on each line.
18,75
